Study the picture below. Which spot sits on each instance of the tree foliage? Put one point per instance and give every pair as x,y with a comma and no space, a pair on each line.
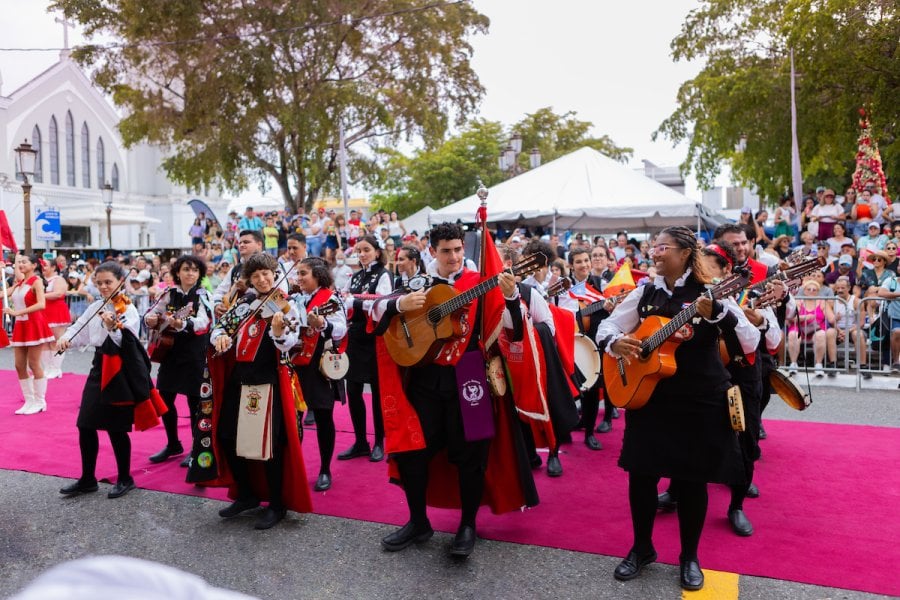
241,92
442,175
847,56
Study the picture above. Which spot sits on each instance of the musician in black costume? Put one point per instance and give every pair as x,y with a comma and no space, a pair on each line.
580,263
373,278
683,432
320,393
434,395
181,371
560,402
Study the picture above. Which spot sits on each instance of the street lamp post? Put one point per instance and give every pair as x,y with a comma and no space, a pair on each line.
107,191
509,157
26,158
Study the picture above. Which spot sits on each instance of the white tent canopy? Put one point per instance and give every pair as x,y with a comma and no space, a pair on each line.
583,190
418,221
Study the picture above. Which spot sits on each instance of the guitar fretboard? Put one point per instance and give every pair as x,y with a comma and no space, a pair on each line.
457,302
665,332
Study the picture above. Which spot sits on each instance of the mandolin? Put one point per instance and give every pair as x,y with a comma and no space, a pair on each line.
630,385
303,352
415,337
161,339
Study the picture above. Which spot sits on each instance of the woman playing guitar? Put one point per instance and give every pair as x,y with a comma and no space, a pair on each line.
683,432
181,369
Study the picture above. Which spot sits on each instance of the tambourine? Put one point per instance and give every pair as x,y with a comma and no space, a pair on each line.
333,364
496,376
736,408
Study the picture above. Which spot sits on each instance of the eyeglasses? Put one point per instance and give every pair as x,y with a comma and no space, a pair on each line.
877,258
661,248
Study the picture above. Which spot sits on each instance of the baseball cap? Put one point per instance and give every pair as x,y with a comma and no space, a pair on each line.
875,225
820,189
829,193
747,210
848,242
515,238
846,260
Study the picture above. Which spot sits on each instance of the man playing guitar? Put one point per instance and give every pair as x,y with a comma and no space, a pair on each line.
434,394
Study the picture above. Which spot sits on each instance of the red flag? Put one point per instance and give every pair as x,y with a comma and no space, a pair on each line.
493,302
6,237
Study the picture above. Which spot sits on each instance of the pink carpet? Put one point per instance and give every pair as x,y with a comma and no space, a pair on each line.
827,514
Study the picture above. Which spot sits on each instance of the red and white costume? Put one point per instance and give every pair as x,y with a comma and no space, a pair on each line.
30,329
56,312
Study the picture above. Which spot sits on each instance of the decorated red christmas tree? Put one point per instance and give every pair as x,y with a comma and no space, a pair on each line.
868,159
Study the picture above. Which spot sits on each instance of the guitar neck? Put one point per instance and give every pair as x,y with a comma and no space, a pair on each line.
457,302
665,332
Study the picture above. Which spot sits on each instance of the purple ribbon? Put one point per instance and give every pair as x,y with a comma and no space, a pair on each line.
474,397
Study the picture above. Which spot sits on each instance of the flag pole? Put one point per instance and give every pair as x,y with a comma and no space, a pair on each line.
481,220
796,175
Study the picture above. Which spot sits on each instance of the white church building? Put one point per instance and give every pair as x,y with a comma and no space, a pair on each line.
74,128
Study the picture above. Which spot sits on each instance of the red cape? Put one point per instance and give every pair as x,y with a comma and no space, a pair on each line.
296,488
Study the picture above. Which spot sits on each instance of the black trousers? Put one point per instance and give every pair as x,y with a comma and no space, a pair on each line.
433,393
170,418
89,445
358,411
692,504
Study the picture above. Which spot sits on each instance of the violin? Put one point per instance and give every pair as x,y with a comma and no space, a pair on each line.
119,302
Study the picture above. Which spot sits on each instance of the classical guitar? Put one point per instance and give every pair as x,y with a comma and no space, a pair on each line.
416,336
161,339
558,287
587,309
630,385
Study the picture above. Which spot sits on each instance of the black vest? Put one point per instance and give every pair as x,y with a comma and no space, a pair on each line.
700,369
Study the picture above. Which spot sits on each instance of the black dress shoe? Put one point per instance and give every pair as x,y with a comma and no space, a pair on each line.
121,488
186,462
270,518
604,427
80,487
554,467
666,502
631,565
592,443
323,482
752,491
615,413
464,542
377,454
535,461
740,523
691,575
407,535
354,451
309,419
237,507
166,453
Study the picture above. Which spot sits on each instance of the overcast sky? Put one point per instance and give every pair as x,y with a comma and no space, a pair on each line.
609,61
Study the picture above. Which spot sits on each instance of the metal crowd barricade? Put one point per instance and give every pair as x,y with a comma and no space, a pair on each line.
873,345
844,351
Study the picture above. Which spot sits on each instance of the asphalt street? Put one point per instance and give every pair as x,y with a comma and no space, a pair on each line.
315,556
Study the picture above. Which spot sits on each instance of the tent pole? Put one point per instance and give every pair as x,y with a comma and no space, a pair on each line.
554,221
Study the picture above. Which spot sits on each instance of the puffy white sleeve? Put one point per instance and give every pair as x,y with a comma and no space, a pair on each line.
624,319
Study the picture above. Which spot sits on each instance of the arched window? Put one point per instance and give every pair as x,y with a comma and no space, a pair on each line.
115,177
53,145
70,149
85,156
37,142
101,164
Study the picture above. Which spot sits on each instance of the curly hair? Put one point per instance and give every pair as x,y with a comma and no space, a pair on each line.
258,262
536,246
187,259
446,231
320,271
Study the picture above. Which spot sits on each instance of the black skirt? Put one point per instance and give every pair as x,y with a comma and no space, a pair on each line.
361,353
685,437
319,392
95,414
182,370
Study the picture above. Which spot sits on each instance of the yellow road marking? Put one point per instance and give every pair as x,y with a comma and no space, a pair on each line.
717,585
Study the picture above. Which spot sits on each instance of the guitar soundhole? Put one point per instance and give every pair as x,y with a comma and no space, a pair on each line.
434,316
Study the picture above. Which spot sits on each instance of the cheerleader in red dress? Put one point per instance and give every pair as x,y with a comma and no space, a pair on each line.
30,333
56,313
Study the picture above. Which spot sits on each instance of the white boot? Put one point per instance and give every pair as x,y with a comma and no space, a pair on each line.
27,386
40,402
52,364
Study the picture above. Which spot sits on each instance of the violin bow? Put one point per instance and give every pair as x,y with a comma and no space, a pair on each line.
97,312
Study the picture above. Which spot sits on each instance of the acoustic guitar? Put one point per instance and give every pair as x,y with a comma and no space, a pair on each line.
630,385
160,340
587,309
415,337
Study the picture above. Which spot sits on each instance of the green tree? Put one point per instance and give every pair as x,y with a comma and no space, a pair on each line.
442,175
555,135
248,91
846,54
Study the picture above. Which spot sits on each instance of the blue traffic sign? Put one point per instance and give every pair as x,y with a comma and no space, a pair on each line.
47,226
